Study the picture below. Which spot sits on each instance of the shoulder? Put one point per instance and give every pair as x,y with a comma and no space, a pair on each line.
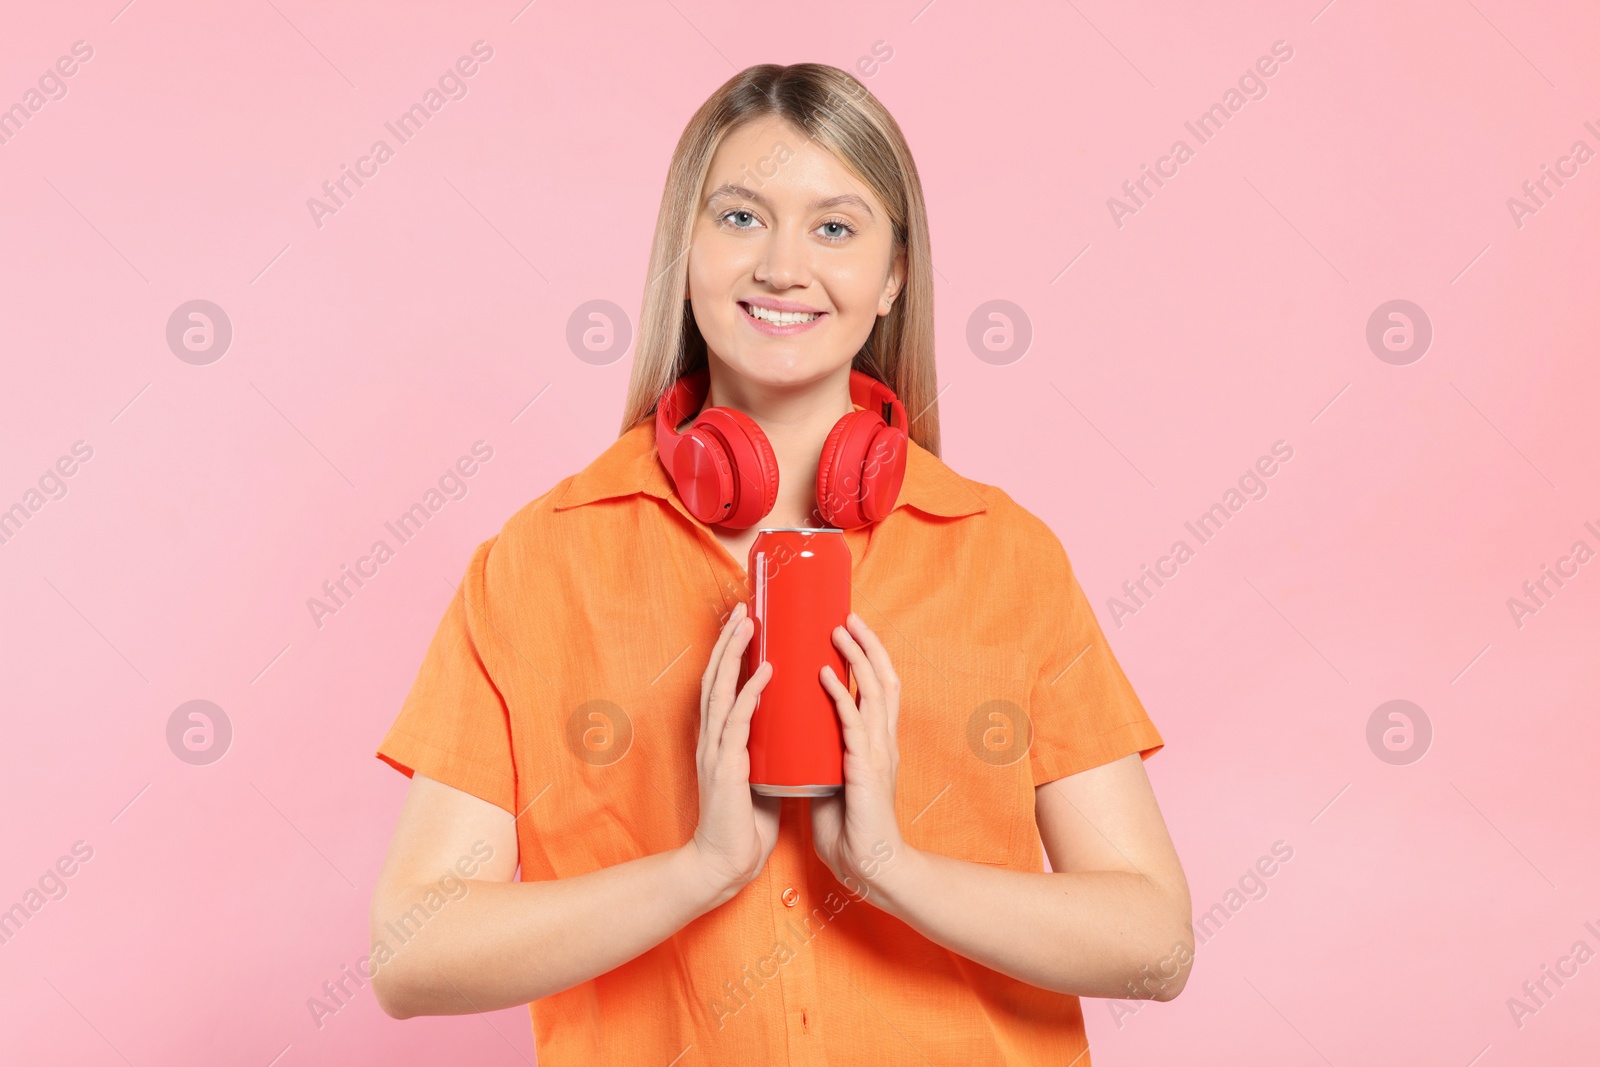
534,519
549,526
624,468
1010,529
504,559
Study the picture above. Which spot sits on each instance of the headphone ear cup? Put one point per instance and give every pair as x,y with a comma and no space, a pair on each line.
752,465
884,473
702,475
841,467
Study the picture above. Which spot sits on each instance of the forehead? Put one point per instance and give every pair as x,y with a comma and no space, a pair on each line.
773,157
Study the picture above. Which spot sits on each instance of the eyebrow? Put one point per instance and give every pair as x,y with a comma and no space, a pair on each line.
731,189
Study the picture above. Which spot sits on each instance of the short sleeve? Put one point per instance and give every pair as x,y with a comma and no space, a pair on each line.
454,726
1083,709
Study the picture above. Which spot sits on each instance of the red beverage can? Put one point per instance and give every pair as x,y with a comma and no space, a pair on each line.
801,584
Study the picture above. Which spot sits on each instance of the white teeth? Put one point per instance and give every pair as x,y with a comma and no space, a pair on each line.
781,318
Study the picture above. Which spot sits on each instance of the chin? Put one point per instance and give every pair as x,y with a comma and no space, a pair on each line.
784,373
787,370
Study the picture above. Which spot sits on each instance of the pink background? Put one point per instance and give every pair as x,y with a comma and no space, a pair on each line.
1228,313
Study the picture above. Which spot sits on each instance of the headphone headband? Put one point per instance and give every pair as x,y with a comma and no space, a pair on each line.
724,470
867,390
688,394
671,410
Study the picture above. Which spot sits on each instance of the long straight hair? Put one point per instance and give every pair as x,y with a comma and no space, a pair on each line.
837,112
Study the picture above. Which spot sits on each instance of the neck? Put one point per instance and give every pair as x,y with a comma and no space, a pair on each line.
796,420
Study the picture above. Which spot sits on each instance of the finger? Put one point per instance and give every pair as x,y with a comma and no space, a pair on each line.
876,654
723,637
736,732
849,715
870,691
710,672
704,739
727,680
883,667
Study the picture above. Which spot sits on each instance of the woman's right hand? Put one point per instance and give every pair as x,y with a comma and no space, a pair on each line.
737,829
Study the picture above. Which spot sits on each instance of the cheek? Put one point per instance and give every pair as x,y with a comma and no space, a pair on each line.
854,290
708,290
713,317
717,267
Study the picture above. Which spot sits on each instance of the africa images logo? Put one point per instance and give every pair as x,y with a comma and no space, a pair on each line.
452,85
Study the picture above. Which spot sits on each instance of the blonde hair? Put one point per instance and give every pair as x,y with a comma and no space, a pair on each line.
837,112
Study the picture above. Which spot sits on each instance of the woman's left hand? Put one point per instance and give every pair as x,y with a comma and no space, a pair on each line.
855,831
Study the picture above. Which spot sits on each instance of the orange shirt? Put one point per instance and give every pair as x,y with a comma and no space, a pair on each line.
564,683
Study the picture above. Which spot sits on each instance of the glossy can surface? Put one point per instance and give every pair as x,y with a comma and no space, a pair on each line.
800,581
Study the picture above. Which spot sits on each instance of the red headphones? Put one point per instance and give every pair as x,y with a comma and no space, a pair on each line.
724,471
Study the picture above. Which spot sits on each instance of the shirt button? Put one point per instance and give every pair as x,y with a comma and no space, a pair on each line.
790,897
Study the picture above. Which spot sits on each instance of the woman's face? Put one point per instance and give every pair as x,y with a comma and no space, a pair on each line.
785,232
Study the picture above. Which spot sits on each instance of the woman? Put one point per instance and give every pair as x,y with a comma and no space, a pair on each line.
665,913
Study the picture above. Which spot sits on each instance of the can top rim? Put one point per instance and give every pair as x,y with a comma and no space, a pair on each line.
800,529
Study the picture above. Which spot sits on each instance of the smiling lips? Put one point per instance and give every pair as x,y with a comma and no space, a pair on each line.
780,323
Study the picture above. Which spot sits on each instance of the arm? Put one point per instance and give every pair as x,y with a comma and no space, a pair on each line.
1111,919
495,943
486,942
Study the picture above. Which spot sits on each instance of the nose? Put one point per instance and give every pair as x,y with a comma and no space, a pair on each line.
785,261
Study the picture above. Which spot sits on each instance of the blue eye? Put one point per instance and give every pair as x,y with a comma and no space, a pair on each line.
842,230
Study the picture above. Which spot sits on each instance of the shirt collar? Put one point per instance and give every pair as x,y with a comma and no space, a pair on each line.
630,466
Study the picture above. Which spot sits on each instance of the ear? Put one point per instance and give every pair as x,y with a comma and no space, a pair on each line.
894,284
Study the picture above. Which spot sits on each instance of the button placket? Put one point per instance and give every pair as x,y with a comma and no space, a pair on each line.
790,898
809,1039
